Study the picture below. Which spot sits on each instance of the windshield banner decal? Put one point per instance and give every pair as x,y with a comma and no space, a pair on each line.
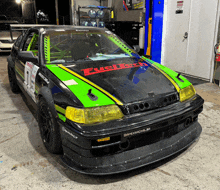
92,71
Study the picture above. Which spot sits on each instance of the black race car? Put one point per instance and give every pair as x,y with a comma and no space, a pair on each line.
107,109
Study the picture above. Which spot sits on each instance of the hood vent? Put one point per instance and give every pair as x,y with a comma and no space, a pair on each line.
150,104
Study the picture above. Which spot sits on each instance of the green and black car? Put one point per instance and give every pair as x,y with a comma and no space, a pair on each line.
100,104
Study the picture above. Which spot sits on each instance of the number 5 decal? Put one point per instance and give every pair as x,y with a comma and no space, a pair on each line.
30,72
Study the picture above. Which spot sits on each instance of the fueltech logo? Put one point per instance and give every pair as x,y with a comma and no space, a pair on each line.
92,71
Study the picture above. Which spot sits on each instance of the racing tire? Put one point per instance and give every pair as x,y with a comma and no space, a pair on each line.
12,80
49,128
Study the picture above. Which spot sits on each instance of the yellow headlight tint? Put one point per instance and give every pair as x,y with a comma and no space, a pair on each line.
94,115
187,93
75,114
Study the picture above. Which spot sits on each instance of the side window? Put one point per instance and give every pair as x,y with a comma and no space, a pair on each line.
31,43
18,41
27,43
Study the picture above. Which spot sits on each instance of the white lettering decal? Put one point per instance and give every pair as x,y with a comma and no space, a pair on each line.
30,72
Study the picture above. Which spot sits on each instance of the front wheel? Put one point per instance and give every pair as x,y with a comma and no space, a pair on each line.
49,128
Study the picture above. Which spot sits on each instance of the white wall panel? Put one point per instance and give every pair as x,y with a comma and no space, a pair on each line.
201,37
193,56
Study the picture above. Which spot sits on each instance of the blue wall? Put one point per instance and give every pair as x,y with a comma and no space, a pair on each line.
157,29
147,3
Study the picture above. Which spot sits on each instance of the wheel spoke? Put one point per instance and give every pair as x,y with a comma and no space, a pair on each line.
46,123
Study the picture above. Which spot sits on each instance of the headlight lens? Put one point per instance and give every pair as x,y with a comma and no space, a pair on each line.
187,93
94,115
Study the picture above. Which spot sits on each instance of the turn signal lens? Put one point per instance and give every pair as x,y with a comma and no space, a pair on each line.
187,93
94,115
103,139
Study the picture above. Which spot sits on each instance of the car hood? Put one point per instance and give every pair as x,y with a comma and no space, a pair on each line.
127,79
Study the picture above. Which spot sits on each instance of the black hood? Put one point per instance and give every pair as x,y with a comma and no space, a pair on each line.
126,78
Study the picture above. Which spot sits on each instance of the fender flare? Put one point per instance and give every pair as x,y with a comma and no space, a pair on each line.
45,92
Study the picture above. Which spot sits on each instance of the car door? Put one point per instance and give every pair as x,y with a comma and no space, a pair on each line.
27,63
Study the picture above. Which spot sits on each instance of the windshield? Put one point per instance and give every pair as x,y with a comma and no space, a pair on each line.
75,46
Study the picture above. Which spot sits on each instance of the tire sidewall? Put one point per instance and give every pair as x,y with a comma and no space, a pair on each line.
55,145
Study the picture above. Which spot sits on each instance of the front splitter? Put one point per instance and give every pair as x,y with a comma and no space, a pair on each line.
136,158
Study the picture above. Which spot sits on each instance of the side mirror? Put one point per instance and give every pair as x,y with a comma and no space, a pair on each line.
136,48
27,56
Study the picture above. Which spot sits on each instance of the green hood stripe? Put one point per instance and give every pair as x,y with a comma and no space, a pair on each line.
91,83
80,88
171,73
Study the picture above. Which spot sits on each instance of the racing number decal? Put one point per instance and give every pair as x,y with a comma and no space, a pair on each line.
30,72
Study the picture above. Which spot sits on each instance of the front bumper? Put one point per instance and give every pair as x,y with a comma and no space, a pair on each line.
135,158
135,142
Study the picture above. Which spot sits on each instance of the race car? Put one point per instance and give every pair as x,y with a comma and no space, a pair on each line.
100,104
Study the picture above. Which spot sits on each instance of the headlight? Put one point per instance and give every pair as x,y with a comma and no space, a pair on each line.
187,93
93,115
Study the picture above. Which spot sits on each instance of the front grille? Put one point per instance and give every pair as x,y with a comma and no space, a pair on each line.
160,134
150,104
164,131
154,136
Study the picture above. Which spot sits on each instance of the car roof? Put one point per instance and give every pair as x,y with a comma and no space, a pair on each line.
31,25
55,28
51,28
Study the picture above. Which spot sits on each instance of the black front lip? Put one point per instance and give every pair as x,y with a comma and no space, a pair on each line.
132,159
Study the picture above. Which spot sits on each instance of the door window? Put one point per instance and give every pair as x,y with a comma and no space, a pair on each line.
31,44
18,41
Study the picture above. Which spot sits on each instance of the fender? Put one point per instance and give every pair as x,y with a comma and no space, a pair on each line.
46,93
178,81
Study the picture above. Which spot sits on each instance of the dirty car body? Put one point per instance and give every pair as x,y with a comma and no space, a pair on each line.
112,111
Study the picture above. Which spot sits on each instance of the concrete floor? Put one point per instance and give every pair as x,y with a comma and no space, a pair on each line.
25,163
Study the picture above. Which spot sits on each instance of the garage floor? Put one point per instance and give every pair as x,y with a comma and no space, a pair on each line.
25,163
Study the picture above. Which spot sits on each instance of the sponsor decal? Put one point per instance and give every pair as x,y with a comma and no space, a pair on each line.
92,71
70,82
30,72
136,132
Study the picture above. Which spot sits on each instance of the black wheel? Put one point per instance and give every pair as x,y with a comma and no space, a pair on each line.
49,128
12,80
